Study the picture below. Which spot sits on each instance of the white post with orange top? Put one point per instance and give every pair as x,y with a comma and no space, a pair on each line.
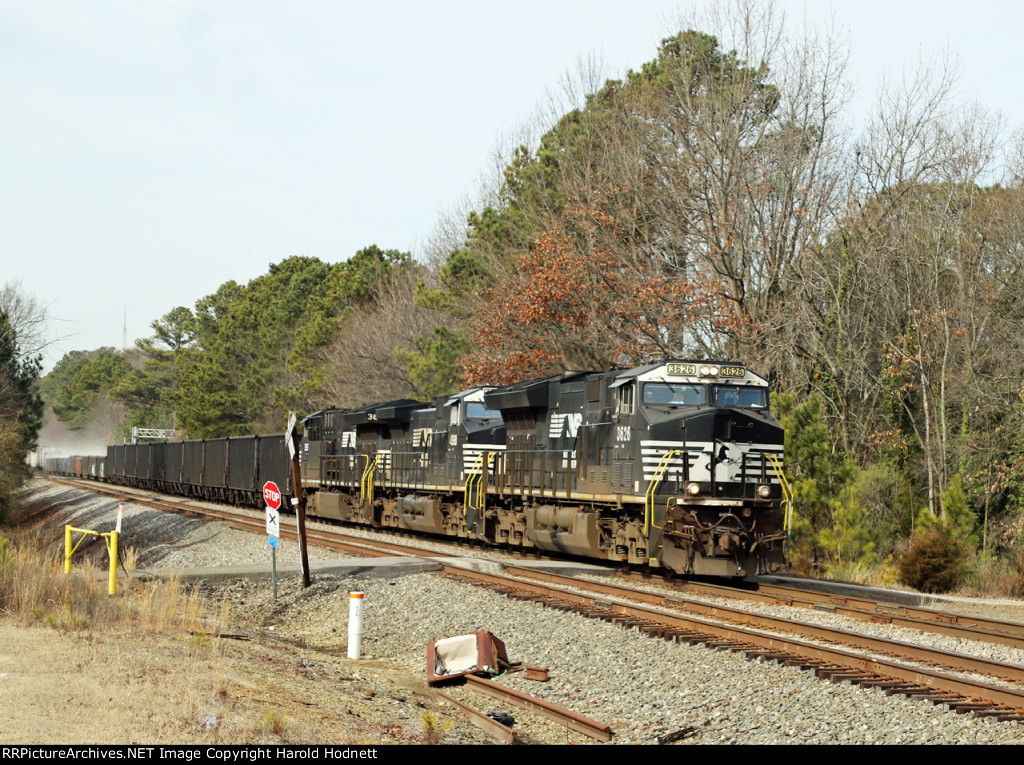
355,624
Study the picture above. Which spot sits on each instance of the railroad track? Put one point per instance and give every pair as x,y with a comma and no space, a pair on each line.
869,669
950,624
896,667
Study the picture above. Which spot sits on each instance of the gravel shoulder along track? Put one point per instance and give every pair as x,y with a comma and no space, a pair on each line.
643,687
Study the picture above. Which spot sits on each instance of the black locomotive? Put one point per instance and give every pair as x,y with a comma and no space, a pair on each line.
676,464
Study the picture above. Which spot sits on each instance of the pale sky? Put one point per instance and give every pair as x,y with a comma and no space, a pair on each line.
153,150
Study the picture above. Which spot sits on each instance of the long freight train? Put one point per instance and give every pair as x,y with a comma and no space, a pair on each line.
675,464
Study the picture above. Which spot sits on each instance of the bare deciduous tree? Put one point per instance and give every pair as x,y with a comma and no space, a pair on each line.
27,319
362,364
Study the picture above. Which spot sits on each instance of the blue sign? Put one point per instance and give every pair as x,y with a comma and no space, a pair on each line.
273,541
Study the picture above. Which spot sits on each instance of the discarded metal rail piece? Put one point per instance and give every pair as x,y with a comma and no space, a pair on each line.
569,719
480,719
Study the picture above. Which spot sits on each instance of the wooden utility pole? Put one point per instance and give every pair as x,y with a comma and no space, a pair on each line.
291,437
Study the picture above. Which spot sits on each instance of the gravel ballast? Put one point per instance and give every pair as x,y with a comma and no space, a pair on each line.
644,688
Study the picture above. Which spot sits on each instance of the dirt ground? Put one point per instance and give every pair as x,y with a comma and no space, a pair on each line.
64,685
90,688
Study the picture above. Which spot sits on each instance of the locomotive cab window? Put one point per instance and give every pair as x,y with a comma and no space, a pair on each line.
625,397
734,395
673,394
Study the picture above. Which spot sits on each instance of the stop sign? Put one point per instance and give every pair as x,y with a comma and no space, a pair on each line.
272,495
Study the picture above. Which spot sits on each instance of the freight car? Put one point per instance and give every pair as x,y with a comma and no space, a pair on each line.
231,470
79,466
676,464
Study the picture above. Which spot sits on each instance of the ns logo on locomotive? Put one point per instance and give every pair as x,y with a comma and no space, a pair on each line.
674,464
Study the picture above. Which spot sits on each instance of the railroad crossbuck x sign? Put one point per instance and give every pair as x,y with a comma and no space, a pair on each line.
272,496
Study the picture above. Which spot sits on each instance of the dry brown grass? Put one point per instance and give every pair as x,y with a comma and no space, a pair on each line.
147,666
35,589
130,558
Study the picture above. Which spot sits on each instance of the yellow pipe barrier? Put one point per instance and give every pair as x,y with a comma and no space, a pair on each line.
112,550
111,540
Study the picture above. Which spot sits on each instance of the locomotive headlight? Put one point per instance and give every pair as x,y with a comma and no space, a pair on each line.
764,491
709,371
693,489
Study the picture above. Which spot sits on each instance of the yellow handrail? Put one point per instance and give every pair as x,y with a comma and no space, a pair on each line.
787,502
475,474
652,488
366,482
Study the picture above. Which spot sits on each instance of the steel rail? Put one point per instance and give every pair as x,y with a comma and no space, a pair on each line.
743,637
998,630
921,618
831,661
374,548
910,651
503,733
561,715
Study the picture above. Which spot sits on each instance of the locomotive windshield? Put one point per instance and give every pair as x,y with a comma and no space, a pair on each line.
734,395
474,409
674,394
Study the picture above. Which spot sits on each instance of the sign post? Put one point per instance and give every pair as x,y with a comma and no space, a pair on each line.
291,437
272,498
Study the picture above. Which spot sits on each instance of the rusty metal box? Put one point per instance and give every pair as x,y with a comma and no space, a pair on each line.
478,652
